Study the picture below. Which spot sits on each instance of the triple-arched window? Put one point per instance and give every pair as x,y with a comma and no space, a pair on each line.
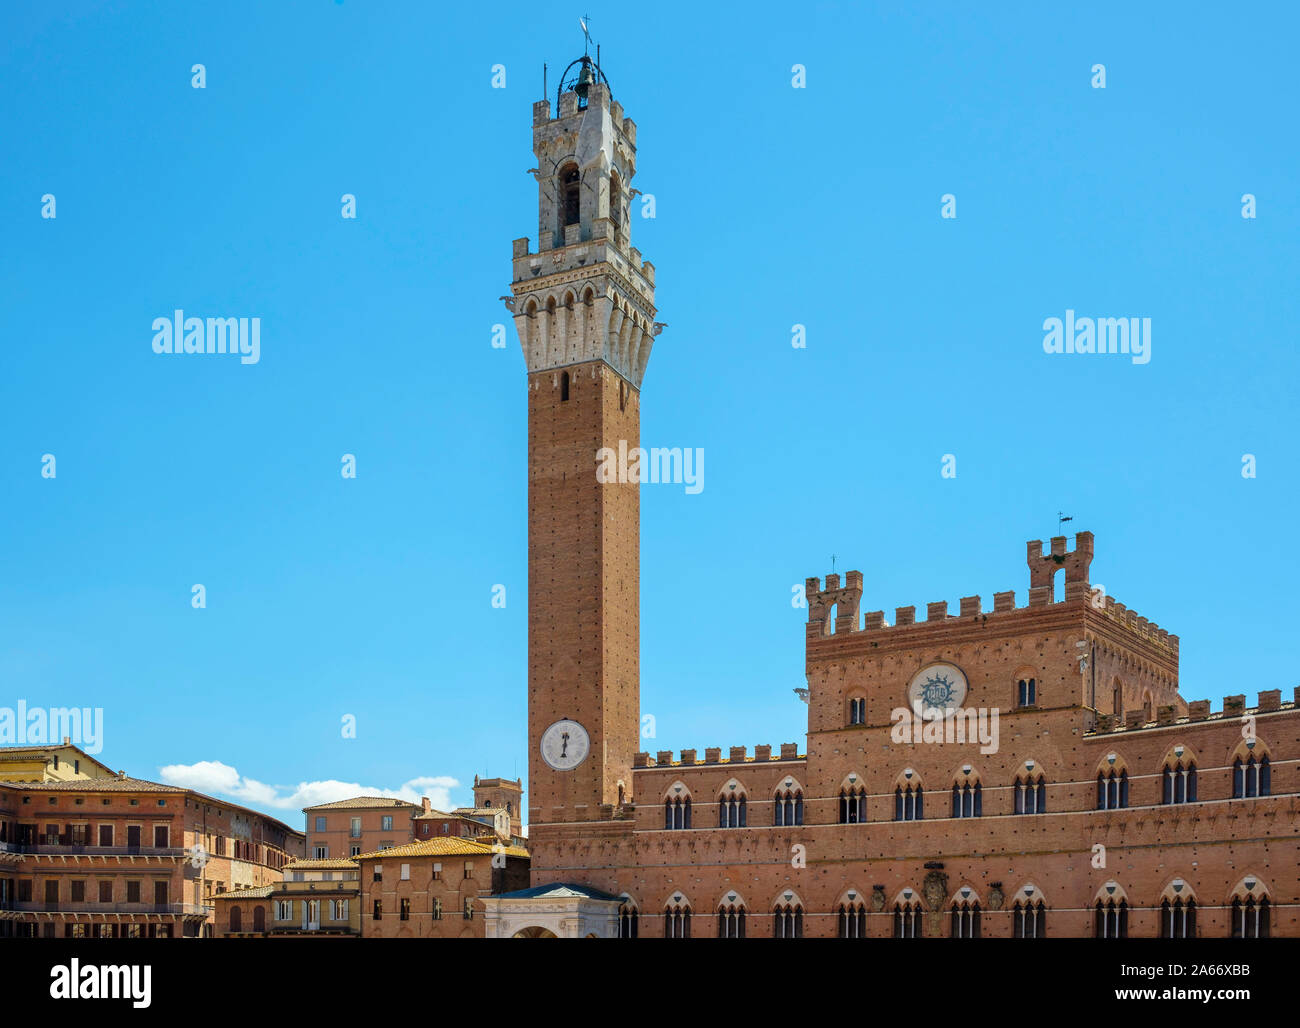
965,919
1251,777
788,807
1110,920
853,920
853,804
787,920
677,918
1028,919
1178,919
731,920
677,812
1112,789
909,802
1030,792
731,810
966,799
1178,780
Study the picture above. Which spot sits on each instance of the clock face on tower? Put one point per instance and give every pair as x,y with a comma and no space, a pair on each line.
565,745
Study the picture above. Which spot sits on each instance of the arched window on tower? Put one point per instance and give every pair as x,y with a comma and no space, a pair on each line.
570,193
615,199
858,710
1027,692
564,387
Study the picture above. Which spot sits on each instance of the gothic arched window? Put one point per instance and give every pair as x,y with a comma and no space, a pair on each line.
1250,778
907,920
731,921
1031,792
858,711
1178,780
853,921
853,805
570,192
1029,919
1249,918
909,802
615,199
1027,692
677,919
788,921
966,919
677,812
1112,790
1111,920
627,920
967,800
789,807
731,810
1178,919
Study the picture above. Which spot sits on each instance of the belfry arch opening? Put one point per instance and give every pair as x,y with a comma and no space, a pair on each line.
570,195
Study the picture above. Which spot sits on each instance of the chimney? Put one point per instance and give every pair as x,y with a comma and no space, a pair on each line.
424,803
67,740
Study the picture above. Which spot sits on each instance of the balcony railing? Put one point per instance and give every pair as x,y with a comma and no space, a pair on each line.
44,849
108,908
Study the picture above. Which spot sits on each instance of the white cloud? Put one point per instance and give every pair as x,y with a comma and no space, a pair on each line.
216,778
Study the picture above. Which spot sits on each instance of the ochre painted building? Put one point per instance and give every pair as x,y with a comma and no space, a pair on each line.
1100,802
116,857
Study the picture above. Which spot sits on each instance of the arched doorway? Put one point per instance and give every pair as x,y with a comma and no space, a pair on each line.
534,932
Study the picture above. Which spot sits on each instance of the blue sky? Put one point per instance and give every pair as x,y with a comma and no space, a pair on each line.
775,206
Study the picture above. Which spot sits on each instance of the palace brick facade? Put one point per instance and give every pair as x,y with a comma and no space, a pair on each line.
1100,801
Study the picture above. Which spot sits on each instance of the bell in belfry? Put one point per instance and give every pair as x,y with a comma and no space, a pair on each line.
585,79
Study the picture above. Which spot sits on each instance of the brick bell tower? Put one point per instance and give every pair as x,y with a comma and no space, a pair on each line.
583,305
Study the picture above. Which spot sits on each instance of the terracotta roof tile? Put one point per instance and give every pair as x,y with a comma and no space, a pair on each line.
363,803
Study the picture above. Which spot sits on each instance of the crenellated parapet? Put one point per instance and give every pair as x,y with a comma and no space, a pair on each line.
1132,622
843,600
1270,701
713,755
834,609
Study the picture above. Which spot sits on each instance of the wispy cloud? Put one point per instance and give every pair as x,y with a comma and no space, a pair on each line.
216,778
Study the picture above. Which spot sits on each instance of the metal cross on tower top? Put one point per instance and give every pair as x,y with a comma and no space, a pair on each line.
585,21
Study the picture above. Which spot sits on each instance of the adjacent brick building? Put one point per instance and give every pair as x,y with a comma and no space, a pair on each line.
315,899
435,889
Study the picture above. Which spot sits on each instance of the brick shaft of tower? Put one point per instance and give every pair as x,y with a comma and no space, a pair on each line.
583,306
